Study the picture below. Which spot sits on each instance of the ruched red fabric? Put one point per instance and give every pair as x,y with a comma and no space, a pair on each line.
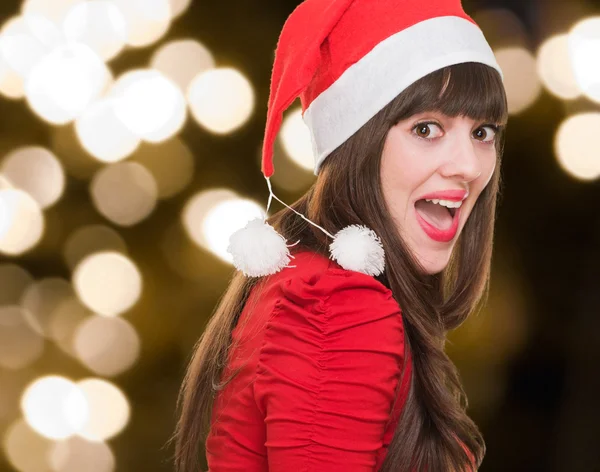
320,351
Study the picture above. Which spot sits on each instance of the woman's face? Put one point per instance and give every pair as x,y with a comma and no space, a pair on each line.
429,153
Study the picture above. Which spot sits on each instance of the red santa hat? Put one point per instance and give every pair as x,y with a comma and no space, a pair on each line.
346,60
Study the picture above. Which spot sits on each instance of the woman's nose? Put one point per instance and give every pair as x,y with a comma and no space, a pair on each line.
463,161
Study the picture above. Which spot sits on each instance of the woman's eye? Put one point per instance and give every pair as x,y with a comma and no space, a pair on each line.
486,136
424,130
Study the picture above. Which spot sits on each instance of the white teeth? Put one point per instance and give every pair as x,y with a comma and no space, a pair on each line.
446,203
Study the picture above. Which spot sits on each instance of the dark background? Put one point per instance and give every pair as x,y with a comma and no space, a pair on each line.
529,361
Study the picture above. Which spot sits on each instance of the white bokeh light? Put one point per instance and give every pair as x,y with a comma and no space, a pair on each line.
25,40
221,100
225,219
64,83
54,10
98,23
147,20
21,222
77,454
295,137
556,69
103,135
108,410
108,283
522,83
179,7
149,104
576,151
584,46
55,407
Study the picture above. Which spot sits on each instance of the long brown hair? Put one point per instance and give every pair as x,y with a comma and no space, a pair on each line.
348,191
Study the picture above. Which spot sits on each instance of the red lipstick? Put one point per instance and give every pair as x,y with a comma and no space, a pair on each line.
451,195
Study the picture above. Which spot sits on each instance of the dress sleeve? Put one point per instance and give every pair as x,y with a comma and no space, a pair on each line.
327,372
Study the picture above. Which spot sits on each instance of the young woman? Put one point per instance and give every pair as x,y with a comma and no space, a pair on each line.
336,363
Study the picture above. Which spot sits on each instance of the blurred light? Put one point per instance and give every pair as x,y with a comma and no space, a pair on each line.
584,45
221,100
575,146
179,7
182,60
26,40
55,407
109,410
555,67
103,135
99,24
198,207
36,171
41,299
147,20
521,80
90,239
5,183
149,104
54,10
21,222
19,344
64,323
14,280
290,176
64,83
125,193
170,162
11,83
26,450
295,137
224,220
106,346
503,28
108,283
78,455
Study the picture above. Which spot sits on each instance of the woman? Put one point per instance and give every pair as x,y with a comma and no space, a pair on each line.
325,365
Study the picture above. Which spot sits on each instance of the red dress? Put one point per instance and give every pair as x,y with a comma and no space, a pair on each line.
322,350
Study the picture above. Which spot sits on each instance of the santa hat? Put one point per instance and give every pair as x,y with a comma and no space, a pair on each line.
346,60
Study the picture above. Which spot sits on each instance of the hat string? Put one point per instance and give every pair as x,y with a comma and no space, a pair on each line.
272,195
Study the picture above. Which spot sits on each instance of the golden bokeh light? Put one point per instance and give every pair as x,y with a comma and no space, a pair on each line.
54,407
65,82
108,407
14,280
54,10
76,454
37,171
41,299
20,345
65,320
179,7
221,100
124,193
555,68
25,449
76,160
149,104
21,222
108,283
98,23
584,46
182,60
147,20
575,147
103,135
521,81
106,346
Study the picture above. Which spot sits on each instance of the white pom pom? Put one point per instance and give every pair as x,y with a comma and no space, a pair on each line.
358,248
258,249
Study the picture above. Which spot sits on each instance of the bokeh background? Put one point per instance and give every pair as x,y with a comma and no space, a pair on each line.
130,136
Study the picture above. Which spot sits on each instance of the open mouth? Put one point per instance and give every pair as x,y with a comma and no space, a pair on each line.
437,215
